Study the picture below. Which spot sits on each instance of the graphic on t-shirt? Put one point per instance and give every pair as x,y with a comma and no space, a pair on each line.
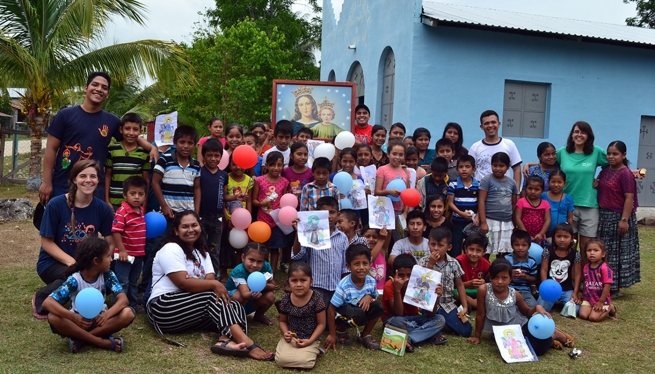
82,231
104,131
66,162
271,195
378,272
236,204
294,185
559,270
198,270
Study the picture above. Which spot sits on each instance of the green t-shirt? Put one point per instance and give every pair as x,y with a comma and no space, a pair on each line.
580,172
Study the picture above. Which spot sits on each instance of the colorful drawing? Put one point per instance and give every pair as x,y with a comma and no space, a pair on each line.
381,213
421,289
314,229
512,344
311,146
357,195
368,174
514,347
165,125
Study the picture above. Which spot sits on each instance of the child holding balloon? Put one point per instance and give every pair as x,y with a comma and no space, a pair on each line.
498,305
88,320
389,173
254,293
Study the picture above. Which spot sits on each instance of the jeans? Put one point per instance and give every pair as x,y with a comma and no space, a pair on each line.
212,229
566,296
458,238
455,324
419,327
128,276
529,299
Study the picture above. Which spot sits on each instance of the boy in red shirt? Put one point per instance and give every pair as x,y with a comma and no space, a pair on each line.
362,128
475,266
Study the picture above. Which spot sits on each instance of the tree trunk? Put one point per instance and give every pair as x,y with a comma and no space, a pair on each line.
36,132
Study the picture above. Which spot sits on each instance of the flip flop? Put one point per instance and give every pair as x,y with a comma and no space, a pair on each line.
255,346
34,312
74,345
409,348
224,350
264,320
436,340
113,344
570,342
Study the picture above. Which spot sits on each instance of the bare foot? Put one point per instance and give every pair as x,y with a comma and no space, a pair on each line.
258,353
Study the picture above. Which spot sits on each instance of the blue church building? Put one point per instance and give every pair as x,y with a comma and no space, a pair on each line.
425,63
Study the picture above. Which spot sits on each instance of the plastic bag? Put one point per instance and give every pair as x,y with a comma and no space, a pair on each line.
569,309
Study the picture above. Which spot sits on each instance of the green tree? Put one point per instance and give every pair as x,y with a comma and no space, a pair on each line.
235,70
645,13
46,46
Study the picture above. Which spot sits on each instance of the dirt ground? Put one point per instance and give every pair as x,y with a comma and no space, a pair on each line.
19,244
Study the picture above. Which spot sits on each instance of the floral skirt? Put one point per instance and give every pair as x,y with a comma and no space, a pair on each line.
622,251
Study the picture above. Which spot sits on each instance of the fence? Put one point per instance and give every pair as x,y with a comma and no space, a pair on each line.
15,154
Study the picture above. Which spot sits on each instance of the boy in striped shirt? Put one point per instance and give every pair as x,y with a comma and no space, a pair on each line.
129,232
463,200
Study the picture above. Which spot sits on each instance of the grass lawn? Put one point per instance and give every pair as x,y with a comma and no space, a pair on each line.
28,345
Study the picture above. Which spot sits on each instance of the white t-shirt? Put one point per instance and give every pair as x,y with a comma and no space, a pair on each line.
171,259
403,246
286,155
482,152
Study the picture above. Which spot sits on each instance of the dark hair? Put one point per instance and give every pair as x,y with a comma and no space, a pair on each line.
350,215
89,79
231,126
439,165
500,265
410,151
355,250
444,142
330,201
588,147
403,261
428,201
87,250
260,248
364,145
398,125
377,128
440,233
253,135
466,158
567,228
273,156
488,113
535,179
300,266
213,145
294,147
322,163
135,181
543,146
131,117
621,147
77,168
362,106
199,244
214,119
395,143
348,151
520,235
283,127
419,132
258,124
557,172
415,214
307,131
366,227
600,243
477,238
500,157
183,131
457,146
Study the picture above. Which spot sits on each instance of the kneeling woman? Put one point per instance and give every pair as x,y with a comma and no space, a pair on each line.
186,295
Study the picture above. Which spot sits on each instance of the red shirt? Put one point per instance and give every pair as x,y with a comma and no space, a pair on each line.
363,135
408,310
470,273
132,227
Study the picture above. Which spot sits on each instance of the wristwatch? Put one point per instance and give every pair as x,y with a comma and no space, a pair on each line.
624,219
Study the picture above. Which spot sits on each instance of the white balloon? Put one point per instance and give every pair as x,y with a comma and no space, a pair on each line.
324,150
344,139
238,238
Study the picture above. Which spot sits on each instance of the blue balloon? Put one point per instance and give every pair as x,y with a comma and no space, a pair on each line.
256,281
343,181
550,290
89,302
541,327
346,204
396,184
535,252
155,224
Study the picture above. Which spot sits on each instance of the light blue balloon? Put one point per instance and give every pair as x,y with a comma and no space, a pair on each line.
541,327
343,181
535,252
256,281
550,290
89,302
396,184
346,204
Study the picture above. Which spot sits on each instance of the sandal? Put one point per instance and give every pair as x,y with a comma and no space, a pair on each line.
409,348
74,345
221,348
570,342
369,343
556,344
614,314
439,340
255,346
344,339
113,344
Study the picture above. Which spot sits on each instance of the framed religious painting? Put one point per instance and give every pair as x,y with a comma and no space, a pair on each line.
326,108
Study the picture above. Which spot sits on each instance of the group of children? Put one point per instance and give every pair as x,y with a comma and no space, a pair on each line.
339,287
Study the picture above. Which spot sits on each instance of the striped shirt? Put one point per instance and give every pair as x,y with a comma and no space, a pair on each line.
528,266
329,264
177,181
124,164
348,293
132,227
450,270
311,193
466,198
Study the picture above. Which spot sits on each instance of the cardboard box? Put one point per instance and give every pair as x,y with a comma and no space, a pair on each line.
394,340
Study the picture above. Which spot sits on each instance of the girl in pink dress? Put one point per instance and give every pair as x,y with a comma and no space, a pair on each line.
533,213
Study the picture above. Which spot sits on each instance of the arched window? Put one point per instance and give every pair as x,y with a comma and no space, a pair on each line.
388,79
332,77
357,76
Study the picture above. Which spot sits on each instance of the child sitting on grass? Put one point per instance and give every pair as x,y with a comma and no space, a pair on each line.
598,277
91,270
474,265
355,300
524,267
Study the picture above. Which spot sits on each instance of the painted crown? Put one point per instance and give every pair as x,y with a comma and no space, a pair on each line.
302,90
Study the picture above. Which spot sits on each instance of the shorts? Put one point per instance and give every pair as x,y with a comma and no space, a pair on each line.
586,303
93,325
585,221
278,239
249,307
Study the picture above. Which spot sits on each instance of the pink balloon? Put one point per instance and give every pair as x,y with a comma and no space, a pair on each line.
289,199
225,160
287,215
241,218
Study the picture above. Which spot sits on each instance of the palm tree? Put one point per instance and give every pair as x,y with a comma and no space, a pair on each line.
46,46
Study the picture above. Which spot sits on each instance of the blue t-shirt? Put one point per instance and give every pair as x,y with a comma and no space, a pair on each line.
212,186
559,209
544,174
239,275
56,224
529,266
83,136
348,293
430,155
